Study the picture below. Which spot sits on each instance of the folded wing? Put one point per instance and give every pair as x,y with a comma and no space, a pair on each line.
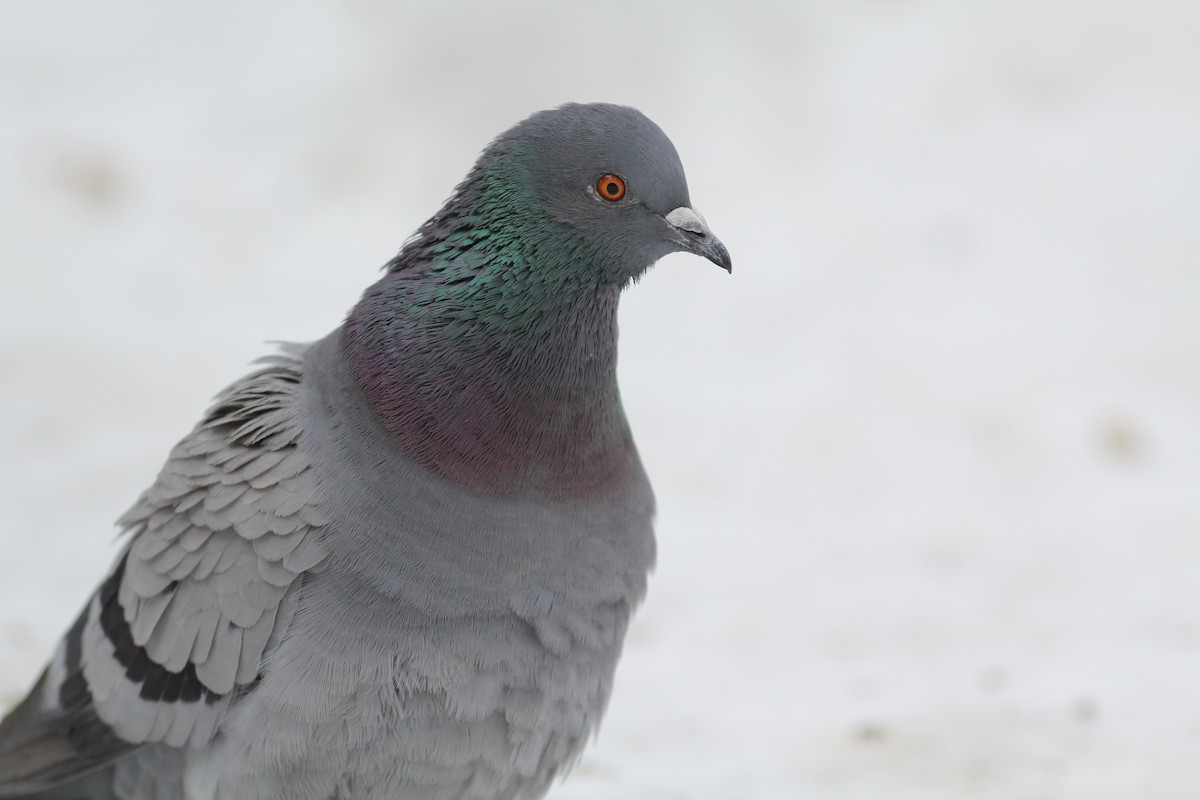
179,628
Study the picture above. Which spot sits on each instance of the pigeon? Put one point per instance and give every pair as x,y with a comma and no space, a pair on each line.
398,562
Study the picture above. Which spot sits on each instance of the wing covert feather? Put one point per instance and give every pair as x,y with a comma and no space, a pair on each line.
179,628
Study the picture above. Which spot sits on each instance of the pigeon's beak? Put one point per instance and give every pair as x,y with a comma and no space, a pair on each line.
691,231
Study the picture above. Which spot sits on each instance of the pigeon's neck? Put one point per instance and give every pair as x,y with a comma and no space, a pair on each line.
504,388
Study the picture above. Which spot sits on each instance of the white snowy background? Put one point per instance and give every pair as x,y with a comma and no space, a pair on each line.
928,462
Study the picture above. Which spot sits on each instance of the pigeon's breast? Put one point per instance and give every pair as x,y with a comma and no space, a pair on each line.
467,643
431,544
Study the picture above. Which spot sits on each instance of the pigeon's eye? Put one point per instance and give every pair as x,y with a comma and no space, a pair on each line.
611,187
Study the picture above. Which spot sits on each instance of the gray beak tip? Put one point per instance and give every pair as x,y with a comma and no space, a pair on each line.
721,256
695,236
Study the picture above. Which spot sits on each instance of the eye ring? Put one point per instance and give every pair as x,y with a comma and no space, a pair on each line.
611,187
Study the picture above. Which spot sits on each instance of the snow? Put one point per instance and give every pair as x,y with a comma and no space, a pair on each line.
928,463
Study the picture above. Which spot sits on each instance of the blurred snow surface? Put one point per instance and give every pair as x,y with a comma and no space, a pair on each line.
928,463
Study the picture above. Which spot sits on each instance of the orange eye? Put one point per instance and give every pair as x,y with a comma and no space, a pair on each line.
611,187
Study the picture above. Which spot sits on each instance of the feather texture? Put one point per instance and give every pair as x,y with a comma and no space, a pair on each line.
182,622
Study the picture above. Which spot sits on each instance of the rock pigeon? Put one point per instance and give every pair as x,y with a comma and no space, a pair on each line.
398,562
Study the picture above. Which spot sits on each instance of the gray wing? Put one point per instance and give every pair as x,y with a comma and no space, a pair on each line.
179,628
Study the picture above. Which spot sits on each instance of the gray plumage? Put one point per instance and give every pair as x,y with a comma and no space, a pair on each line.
398,562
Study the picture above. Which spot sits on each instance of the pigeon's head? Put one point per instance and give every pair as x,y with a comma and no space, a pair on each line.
612,177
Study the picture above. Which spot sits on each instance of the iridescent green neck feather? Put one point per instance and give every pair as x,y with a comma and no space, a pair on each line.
489,347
